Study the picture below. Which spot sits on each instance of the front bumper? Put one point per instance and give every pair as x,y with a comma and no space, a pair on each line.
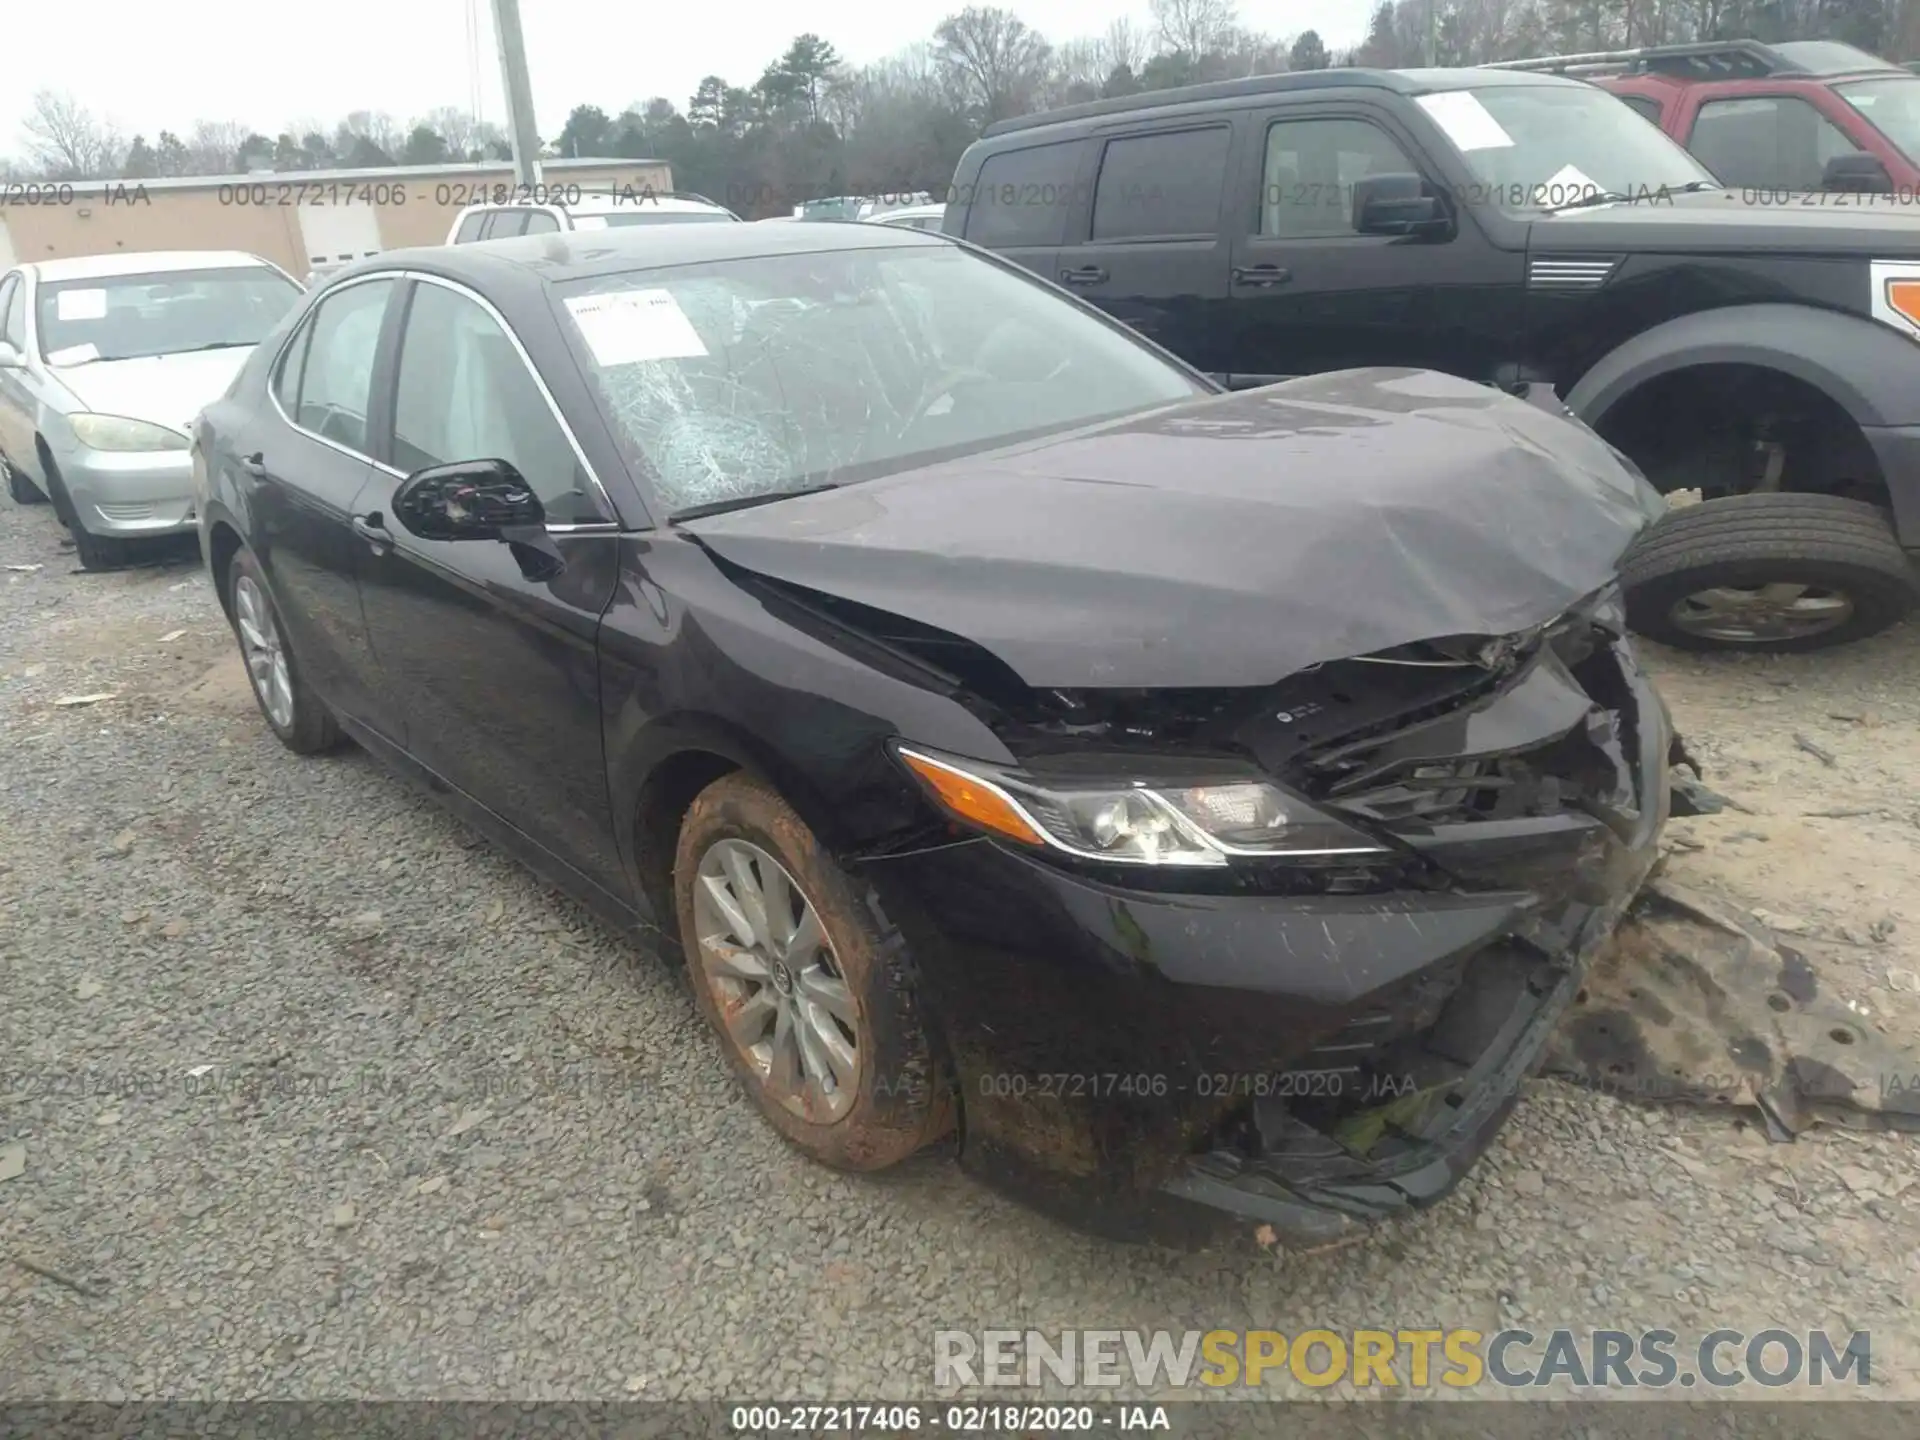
1897,448
1156,1066
130,494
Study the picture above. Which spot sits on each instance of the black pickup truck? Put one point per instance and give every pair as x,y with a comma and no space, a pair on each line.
1759,349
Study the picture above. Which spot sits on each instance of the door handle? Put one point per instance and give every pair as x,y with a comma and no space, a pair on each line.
255,464
1261,276
1085,275
370,529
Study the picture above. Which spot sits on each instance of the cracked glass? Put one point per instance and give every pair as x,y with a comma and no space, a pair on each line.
737,380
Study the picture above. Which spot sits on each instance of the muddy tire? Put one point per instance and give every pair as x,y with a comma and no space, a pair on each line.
1773,572
19,489
297,717
785,1007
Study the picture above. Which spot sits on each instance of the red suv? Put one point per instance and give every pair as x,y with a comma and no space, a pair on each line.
1797,117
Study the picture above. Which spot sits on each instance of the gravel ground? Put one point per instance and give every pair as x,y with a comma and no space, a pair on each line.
500,1158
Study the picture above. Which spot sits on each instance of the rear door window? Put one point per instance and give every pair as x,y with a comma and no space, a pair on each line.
470,227
1022,197
1162,187
503,224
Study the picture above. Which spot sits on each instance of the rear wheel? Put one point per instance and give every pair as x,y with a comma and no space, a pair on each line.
805,982
291,709
1774,572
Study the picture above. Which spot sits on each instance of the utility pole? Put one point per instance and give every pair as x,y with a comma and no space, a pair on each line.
1433,33
521,131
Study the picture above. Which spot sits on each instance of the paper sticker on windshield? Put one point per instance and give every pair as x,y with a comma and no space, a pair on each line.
1467,122
631,326
80,304
1569,186
74,354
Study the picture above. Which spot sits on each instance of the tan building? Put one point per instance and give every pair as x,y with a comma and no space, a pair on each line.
295,219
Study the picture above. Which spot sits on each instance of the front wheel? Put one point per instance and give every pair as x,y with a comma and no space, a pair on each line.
1775,572
805,982
19,489
95,552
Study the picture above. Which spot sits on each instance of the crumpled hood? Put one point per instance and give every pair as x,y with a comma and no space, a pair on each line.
1230,541
169,390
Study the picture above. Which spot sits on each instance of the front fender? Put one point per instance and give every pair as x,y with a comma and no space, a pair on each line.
1869,369
1872,370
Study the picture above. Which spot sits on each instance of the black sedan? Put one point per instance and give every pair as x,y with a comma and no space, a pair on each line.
1199,805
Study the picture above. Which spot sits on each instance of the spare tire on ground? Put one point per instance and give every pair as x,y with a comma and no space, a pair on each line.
1776,572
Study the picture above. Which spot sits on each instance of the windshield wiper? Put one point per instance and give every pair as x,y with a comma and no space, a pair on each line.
744,502
1614,197
1600,197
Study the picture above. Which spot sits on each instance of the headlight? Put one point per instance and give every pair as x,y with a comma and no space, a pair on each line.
117,432
1132,822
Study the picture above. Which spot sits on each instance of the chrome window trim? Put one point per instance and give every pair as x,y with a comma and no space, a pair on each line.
280,356
553,408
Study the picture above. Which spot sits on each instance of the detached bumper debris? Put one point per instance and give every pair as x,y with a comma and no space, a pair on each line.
1693,1003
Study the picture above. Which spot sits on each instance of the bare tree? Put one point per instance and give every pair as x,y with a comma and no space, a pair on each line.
1124,43
843,95
1194,27
374,126
66,142
457,127
1078,65
213,147
999,62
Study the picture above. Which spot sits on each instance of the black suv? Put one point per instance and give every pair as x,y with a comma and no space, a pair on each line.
1516,228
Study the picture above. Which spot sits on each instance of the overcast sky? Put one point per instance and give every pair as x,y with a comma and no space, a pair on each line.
148,68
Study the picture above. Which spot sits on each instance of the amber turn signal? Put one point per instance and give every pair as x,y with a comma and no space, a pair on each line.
973,800
1904,297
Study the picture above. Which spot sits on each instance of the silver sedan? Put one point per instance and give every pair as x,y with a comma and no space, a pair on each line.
105,361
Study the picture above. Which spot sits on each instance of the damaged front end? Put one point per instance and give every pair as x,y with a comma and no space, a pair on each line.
1310,1042
1533,767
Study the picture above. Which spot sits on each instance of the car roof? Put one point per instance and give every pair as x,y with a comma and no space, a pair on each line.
1402,82
561,256
144,262
591,204
596,203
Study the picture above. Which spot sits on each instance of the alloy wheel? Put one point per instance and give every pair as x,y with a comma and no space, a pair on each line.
265,654
779,988
1754,614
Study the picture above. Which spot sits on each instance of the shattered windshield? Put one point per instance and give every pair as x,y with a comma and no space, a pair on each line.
1538,147
744,379
1892,106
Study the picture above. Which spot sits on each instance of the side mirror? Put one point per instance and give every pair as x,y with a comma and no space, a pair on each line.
1857,174
468,500
9,357
1397,205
